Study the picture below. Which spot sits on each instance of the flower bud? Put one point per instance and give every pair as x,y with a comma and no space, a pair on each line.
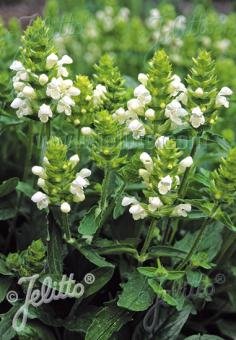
65,207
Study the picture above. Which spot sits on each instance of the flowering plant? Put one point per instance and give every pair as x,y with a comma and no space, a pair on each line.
134,187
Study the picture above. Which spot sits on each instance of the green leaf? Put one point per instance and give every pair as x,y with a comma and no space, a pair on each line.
210,243
90,222
6,214
102,276
148,271
5,283
81,323
136,294
158,251
106,322
170,326
4,270
6,330
194,278
203,337
8,186
25,188
162,293
90,254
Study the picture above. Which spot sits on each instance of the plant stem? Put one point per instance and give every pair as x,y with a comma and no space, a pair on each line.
28,150
181,192
148,240
197,240
66,227
195,244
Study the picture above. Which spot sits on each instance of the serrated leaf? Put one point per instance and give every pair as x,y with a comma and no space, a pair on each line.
106,322
8,186
136,294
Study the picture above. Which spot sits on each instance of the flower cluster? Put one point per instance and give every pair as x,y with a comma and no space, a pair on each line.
161,176
57,178
42,89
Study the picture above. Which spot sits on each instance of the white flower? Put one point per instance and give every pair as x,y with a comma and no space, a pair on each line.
74,159
86,131
51,60
146,159
136,209
135,106
64,105
143,78
24,110
181,210
43,79
54,88
17,66
199,92
221,99
175,112
39,171
17,103
137,212
142,94
185,163
153,20
176,86
44,113
150,114
225,91
28,92
161,142
121,115
99,94
65,60
65,207
197,118
84,172
164,186
137,128
18,85
41,200
128,201
79,184
154,203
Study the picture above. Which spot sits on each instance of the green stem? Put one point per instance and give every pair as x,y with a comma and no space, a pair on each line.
181,191
197,240
148,240
29,150
66,227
